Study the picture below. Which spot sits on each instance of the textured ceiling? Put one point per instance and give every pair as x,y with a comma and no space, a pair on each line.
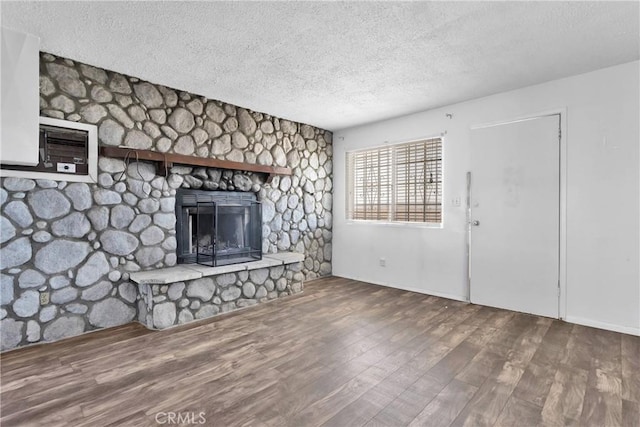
337,64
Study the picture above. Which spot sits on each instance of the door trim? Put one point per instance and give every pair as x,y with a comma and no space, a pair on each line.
562,232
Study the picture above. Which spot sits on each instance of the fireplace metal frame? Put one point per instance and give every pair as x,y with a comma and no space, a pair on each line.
212,202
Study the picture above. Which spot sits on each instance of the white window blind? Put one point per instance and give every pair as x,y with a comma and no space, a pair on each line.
400,182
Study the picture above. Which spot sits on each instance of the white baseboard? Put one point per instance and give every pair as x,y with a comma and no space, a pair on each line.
603,325
571,319
408,288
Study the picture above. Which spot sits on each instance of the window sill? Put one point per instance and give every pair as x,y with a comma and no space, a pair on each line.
396,224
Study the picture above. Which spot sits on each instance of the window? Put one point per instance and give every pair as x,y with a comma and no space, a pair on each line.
401,183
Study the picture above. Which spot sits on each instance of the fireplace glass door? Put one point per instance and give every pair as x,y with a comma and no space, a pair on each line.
218,228
225,233
203,234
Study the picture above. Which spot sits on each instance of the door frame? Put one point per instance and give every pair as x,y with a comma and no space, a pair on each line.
562,231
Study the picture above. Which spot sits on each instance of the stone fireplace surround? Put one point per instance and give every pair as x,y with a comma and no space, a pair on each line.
82,245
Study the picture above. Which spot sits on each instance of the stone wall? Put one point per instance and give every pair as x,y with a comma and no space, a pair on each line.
78,243
162,306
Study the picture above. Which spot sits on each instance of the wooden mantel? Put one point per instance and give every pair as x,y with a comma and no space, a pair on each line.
164,161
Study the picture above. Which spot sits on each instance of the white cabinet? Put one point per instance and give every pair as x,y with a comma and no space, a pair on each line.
19,116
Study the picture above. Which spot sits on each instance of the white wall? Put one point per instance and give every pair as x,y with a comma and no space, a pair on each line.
602,137
20,95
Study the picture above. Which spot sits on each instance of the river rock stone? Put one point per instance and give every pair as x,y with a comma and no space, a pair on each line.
93,113
75,224
140,223
128,292
265,158
110,133
31,279
138,140
181,120
93,73
100,94
61,255
10,333
118,242
215,113
212,129
80,195
207,310
95,267
7,230
149,256
6,289
76,308
175,291
225,280
221,146
68,79
18,184
110,165
195,106
259,276
246,123
48,204
164,315
121,116
185,316
120,84
248,290
111,312
158,115
268,211
46,86
202,288
184,145
33,331
230,294
309,203
121,216
107,197
266,127
238,140
99,217
288,127
63,103
64,295
63,327
19,212
48,313
58,282
97,292
148,206
164,220
152,236
148,95
16,253
27,304
170,97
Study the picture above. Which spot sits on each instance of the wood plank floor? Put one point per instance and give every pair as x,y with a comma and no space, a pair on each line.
343,353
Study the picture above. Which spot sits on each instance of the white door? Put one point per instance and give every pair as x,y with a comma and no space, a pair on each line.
515,215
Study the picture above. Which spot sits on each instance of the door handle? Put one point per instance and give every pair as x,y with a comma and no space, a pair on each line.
475,222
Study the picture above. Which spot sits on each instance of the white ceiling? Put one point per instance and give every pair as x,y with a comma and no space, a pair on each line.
337,64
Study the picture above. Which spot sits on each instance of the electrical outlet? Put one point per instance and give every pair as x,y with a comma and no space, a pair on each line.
455,201
382,262
44,298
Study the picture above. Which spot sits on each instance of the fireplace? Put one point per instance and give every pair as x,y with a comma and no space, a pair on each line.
217,228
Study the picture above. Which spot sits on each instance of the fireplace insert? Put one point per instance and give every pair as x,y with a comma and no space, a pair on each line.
218,227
